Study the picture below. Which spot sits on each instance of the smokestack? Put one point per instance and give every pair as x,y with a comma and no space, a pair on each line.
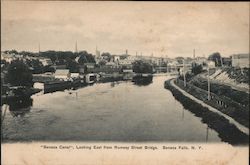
76,48
39,48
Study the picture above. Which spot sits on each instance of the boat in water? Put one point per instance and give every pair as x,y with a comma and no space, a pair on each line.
91,78
53,86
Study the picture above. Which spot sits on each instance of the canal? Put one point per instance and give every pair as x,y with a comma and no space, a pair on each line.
114,111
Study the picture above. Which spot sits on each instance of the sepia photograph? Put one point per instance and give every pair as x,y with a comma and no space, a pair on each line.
131,76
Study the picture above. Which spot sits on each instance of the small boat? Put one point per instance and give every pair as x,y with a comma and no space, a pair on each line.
56,86
91,78
128,76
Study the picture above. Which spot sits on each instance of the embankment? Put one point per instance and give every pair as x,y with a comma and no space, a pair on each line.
219,100
227,131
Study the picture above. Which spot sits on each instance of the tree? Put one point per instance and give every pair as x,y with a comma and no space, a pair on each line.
18,74
179,60
36,65
106,56
85,57
142,67
102,62
196,69
216,57
12,51
72,66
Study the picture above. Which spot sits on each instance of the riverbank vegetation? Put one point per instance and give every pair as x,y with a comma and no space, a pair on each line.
227,131
18,74
222,90
142,67
224,104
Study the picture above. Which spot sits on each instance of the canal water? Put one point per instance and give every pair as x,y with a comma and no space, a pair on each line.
114,111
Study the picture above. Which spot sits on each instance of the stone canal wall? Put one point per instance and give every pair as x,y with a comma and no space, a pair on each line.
227,131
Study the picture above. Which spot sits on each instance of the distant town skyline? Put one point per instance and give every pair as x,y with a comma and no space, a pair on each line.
160,28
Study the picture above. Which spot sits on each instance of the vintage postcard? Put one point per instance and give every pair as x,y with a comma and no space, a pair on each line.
131,83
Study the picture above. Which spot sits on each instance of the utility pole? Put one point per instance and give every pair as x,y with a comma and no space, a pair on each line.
161,61
208,84
194,54
184,73
221,61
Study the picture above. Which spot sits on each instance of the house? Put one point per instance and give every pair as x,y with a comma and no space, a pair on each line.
116,59
200,60
62,74
186,68
172,66
7,57
112,64
227,61
240,60
89,65
127,68
74,75
211,64
86,68
45,61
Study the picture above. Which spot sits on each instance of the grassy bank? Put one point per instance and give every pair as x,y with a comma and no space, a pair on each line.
224,104
227,131
222,90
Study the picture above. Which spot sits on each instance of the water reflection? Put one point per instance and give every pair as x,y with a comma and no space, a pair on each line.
19,107
142,81
114,83
207,134
182,116
125,113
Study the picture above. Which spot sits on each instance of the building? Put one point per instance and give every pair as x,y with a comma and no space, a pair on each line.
97,53
74,75
46,61
227,61
185,68
7,57
98,57
200,60
116,59
86,68
10,57
128,60
62,74
172,66
240,60
211,64
112,64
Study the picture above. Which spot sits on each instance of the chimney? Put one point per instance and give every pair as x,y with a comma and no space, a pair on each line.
76,51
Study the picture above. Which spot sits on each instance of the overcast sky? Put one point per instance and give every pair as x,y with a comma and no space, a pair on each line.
161,28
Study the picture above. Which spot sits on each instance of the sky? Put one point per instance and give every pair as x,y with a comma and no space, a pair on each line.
163,29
